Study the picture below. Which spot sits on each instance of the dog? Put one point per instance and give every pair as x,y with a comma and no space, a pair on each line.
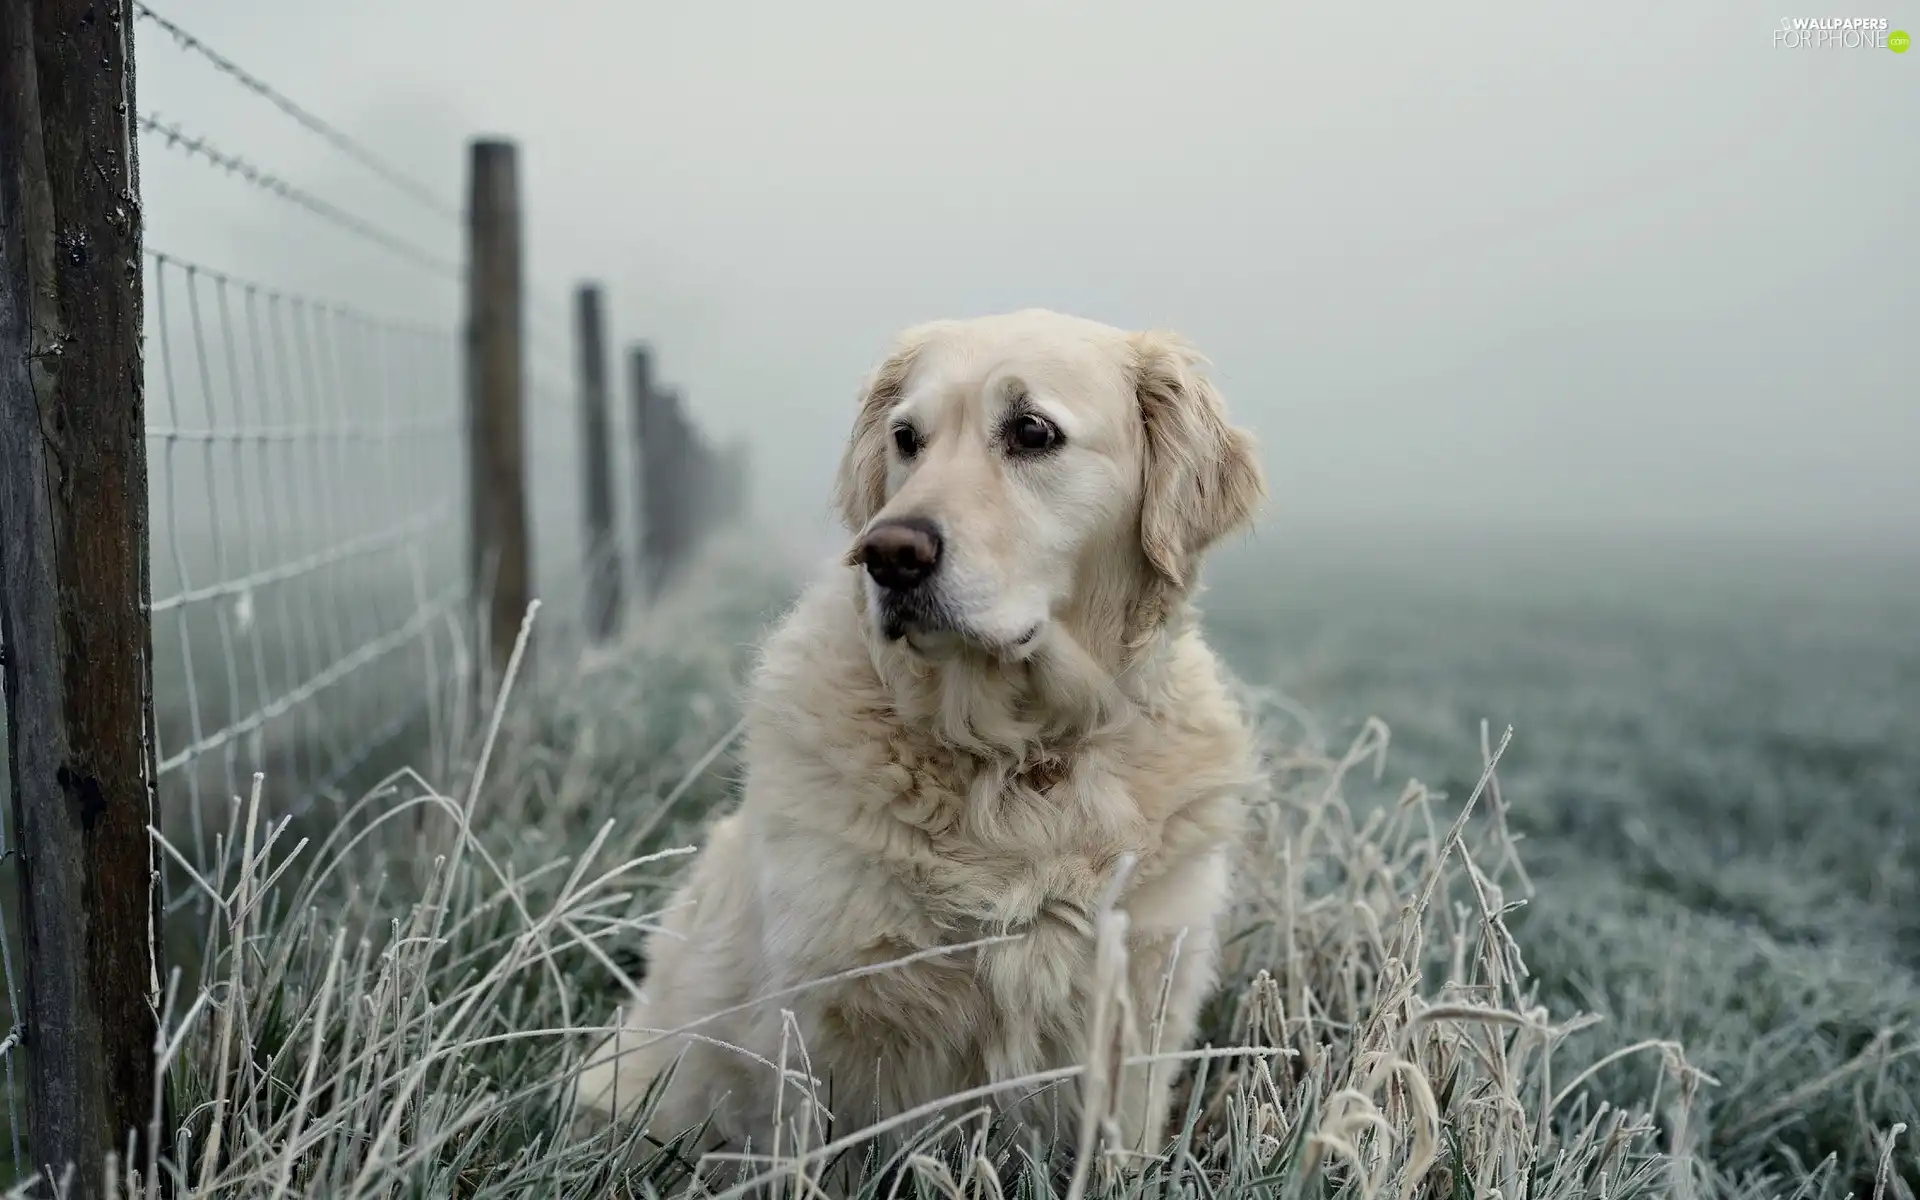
965,735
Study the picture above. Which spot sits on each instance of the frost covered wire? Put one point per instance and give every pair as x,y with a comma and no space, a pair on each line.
198,147
304,461
332,136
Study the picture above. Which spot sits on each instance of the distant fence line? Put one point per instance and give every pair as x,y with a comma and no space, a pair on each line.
244,529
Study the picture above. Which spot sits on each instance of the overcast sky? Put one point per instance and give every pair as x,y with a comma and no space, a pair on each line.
1639,270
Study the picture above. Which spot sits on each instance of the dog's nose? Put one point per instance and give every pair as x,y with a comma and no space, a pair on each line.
901,553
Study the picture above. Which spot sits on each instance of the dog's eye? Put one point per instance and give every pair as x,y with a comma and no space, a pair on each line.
906,440
1031,434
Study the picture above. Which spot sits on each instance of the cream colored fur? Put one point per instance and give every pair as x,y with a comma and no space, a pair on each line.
954,784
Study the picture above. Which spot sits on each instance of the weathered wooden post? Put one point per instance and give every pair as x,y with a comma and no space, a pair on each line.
697,470
680,447
74,587
596,469
652,455
500,566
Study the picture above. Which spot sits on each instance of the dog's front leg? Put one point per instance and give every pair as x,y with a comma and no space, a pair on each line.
1169,975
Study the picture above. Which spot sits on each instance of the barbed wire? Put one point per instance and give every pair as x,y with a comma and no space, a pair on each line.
538,330
334,137
177,138
311,600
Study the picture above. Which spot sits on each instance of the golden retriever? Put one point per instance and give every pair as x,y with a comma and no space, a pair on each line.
965,731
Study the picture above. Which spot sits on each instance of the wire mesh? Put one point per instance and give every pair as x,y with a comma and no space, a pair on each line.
307,471
305,465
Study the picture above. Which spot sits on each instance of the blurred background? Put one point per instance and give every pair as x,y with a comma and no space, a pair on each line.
1580,347
1634,274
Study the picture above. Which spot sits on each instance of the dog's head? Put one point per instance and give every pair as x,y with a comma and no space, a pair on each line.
1009,474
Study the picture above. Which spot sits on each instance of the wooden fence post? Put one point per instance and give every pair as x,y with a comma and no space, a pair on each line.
651,456
695,475
677,449
709,490
596,469
500,564
74,586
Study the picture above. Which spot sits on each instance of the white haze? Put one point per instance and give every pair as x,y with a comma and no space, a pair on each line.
1630,270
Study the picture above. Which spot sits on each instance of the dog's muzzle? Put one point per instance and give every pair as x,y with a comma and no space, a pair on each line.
902,559
902,554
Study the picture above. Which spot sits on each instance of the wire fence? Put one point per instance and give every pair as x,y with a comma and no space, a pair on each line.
313,601
305,469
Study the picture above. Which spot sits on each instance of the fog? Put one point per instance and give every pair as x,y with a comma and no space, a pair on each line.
1638,272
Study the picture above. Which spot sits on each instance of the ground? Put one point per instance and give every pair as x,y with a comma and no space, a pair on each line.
1704,806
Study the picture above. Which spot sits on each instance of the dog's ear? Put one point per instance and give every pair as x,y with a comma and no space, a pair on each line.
860,489
1202,476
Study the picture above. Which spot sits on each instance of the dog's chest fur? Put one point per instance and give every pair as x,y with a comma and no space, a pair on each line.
963,850
982,846
934,845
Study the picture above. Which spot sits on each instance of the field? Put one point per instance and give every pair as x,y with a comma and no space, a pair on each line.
1705,807
1715,776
